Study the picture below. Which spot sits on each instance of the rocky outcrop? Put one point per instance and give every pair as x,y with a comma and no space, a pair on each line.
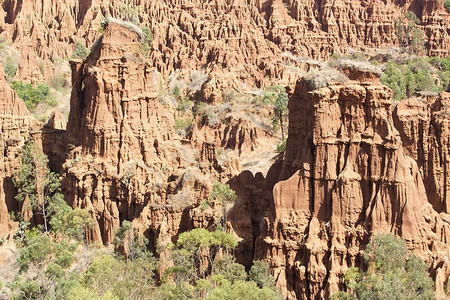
346,175
126,162
241,135
424,128
56,120
17,126
219,37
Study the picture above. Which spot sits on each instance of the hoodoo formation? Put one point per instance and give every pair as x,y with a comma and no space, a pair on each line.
346,175
164,118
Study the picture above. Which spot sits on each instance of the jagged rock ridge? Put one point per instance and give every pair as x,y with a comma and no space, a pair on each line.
220,36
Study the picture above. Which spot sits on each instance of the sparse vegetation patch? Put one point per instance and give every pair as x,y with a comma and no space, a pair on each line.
80,52
31,95
416,75
320,79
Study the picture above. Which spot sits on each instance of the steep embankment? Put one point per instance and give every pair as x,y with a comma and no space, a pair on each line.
346,175
240,44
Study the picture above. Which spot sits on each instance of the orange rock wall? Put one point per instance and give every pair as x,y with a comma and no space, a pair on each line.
17,126
125,161
424,128
345,176
220,36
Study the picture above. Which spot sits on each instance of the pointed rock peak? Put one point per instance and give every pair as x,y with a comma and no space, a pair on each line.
119,36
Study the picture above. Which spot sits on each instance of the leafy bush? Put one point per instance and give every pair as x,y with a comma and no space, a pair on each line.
134,242
393,273
199,273
10,68
185,104
182,125
281,146
44,198
80,51
59,82
447,6
146,42
278,98
411,76
260,273
409,35
31,95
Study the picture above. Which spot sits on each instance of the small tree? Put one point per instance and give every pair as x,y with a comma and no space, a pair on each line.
10,68
408,34
225,196
75,224
194,258
45,264
36,183
393,273
278,98
134,243
32,95
146,42
260,273
80,51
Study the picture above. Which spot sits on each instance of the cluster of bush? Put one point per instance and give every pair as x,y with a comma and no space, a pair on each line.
416,75
390,272
33,95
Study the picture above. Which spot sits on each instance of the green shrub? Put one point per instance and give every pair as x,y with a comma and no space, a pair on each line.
281,146
183,124
176,91
447,5
10,68
59,82
80,52
409,35
31,95
411,76
392,273
146,42
260,273
185,103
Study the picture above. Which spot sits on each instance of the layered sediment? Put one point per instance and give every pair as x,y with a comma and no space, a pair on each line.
17,126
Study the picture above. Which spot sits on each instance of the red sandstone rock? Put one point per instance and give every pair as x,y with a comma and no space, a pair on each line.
347,175
17,126
237,44
424,128
127,162
56,120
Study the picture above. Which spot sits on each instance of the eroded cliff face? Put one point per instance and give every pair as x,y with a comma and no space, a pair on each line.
220,36
424,128
346,175
125,161
17,126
